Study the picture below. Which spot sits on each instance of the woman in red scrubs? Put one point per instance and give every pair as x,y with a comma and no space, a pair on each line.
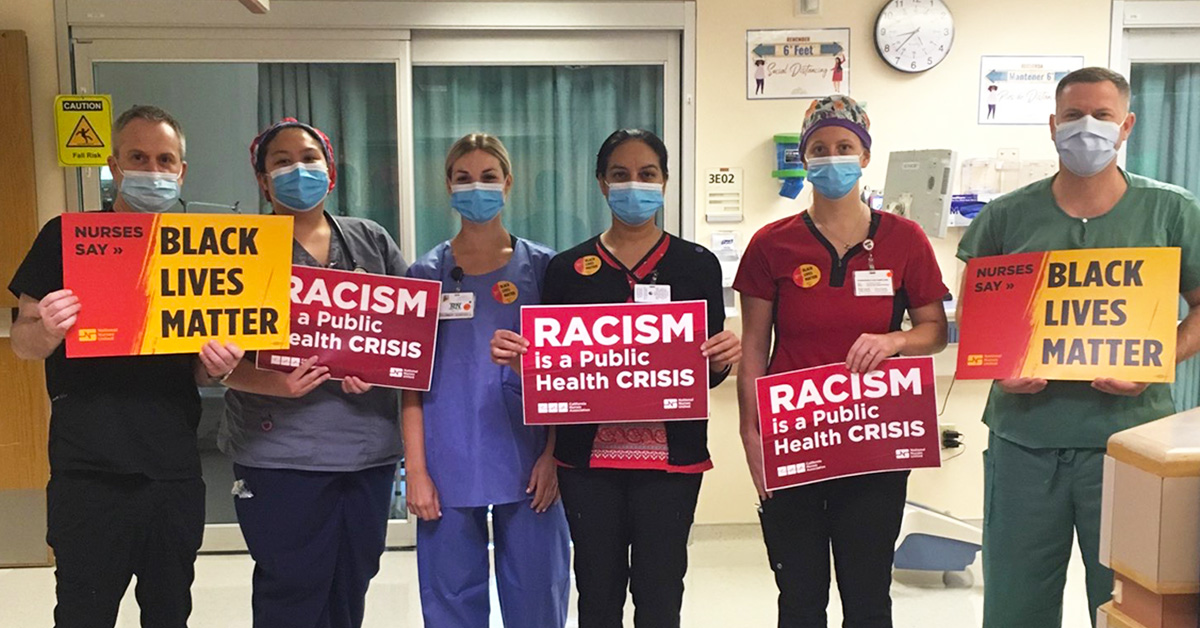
797,280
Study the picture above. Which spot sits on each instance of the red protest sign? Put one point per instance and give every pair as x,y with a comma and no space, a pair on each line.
826,422
615,363
378,328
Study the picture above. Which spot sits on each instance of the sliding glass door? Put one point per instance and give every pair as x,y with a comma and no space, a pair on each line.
224,92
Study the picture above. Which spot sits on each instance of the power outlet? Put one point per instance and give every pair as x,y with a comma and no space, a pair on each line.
949,427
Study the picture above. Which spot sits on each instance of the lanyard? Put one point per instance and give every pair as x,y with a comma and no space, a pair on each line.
456,273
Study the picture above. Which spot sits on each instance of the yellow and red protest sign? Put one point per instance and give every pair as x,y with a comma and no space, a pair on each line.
169,283
1071,315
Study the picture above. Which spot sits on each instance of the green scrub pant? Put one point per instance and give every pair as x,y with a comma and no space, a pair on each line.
1035,501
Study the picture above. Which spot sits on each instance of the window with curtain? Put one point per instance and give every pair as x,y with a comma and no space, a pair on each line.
355,105
551,118
1165,145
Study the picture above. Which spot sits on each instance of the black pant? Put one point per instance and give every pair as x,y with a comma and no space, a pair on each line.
630,529
861,516
106,528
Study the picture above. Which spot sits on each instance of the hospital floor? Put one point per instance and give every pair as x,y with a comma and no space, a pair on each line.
728,585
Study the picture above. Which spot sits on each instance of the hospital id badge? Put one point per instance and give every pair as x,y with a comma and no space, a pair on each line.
651,293
873,283
457,306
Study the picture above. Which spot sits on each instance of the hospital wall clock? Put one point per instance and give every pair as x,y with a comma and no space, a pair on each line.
914,35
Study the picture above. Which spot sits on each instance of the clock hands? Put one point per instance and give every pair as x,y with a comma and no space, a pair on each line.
906,39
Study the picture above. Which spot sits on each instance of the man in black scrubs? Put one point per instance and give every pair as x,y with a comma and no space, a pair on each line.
125,496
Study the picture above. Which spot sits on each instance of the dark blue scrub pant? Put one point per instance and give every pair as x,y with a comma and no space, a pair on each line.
316,539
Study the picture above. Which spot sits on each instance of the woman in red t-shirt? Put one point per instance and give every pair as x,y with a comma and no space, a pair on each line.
797,280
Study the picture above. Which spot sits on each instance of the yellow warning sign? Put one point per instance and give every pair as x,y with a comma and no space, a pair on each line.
84,135
84,125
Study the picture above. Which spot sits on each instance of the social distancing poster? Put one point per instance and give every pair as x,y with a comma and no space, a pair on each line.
169,283
1071,315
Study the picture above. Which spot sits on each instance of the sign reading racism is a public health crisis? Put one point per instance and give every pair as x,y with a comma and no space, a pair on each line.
377,328
615,363
169,283
1071,315
825,422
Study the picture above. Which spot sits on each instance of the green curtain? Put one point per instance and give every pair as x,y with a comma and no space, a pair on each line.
551,119
1165,145
355,105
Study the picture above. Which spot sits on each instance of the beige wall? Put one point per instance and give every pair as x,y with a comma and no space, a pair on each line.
36,18
934,110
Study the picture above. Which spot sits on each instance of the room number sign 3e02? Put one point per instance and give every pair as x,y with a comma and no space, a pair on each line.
722,178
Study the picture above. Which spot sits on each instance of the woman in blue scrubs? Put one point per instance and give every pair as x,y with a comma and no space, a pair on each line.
466,445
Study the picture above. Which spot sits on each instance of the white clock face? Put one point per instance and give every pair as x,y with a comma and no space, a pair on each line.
914,35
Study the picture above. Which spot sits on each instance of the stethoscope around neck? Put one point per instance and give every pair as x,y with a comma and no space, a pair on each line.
337,228
341,236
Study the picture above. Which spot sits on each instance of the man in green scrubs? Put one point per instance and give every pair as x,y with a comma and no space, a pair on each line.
1043,470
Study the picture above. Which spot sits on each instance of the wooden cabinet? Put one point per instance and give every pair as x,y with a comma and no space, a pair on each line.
24,409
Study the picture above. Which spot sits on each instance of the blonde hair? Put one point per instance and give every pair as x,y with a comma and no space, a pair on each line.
470,143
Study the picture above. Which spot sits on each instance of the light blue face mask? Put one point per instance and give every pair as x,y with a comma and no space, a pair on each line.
1087,145
300,186
149,192
834,177
477,202
634,202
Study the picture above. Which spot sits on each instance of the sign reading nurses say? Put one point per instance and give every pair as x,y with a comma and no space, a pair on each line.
169,283
378,328
615,363
1071,315
825,422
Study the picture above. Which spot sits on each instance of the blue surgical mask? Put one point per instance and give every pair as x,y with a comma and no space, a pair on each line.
300,186
1087,145
834,177
634,202
149,192
477,202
